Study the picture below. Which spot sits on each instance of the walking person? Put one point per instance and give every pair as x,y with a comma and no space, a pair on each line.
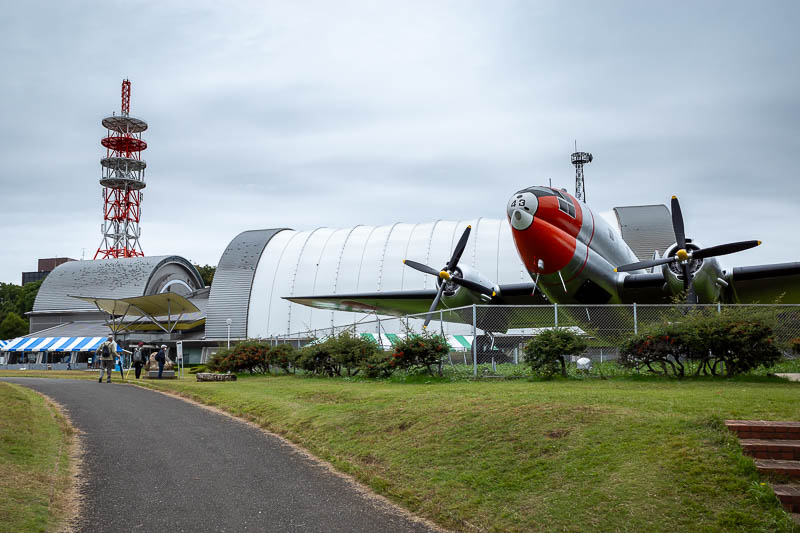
138,359
105,353
161,358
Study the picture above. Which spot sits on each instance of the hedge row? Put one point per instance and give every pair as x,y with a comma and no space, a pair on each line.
342,355
726,343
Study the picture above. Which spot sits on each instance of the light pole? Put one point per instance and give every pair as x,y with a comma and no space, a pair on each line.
229,331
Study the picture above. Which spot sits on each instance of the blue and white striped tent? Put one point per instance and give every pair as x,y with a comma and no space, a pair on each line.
54,344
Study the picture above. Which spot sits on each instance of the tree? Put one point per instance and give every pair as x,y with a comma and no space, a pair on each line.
13,326
17,300
207,273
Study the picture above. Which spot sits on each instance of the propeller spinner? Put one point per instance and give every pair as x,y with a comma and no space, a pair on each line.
447,274
683,256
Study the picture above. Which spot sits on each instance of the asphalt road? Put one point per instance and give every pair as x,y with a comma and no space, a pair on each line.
155,463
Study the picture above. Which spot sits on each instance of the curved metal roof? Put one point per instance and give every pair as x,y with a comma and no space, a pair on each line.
109,278
357,260
233,282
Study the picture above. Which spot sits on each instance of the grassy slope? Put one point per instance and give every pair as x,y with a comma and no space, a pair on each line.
34,462
607,455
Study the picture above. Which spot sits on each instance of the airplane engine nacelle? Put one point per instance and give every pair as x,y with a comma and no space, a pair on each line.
705,275
457,296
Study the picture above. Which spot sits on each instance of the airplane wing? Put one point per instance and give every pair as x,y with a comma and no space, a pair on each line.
645,288
402,303
764,284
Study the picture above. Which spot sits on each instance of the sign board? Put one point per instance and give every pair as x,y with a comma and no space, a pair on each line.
179,348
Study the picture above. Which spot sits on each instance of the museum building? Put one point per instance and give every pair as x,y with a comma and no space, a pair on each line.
162,299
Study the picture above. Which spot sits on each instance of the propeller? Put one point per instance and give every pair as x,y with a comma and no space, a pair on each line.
447,274
684,256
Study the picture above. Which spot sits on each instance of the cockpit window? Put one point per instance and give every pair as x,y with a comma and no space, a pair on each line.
539,191
565,204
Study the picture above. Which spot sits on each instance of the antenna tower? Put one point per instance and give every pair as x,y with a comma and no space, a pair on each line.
122,179
579,159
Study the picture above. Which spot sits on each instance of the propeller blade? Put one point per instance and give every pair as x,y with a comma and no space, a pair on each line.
434,305
422,268
471,285
645,264
724,249
677,224
691,296
686,276
459,249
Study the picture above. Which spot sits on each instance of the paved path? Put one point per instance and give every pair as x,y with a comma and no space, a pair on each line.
155,463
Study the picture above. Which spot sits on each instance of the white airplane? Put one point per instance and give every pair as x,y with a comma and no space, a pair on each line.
574,257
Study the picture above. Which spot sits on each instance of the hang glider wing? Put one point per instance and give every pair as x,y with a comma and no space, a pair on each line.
395,303
402,303
764,284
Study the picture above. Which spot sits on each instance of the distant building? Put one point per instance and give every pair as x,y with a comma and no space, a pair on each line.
45,267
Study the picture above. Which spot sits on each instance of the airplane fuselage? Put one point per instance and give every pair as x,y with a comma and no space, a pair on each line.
572,254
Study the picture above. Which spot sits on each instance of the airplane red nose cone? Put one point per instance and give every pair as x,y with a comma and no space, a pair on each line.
544,234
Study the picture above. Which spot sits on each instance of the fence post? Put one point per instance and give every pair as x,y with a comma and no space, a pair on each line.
555,313
441,323
474,340
635,320
719,307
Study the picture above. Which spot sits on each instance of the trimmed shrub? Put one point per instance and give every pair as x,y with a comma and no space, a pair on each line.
350,352
728,343
317,358
546,353
661,350
284,356
221,361
248,356
379,365
344,353
421,352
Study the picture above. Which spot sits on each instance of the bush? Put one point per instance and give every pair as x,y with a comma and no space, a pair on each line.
796,346
730,342
662,350
284,356
351,352
220,361
318,358
546,353
248,356
421,352
379,365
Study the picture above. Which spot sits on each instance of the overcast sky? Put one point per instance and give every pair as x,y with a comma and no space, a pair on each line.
305,114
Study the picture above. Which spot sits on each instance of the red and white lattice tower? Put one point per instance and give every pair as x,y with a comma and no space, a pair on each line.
122,180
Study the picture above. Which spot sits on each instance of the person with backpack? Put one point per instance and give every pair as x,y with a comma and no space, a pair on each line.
105,353
161,358
138,359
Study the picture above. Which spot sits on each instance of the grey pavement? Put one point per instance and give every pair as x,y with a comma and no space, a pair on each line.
155,463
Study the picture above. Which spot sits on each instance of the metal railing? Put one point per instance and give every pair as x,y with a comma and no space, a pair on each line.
495,334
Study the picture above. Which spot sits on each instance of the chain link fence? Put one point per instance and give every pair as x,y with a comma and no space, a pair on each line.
495,334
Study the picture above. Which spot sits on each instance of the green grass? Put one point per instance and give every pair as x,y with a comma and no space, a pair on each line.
623,454
34,462
630,453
